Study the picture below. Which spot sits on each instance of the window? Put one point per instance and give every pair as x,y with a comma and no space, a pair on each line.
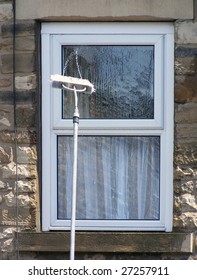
125,143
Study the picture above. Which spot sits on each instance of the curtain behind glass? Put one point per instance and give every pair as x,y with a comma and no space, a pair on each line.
118,177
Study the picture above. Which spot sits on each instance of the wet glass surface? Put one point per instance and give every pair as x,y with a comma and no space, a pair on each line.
123,78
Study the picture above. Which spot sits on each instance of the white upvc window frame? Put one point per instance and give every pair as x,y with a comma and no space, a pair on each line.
56,35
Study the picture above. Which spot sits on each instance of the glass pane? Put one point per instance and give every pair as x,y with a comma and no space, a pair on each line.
122,76
118,177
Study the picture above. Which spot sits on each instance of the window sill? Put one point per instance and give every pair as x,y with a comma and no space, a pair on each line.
106,242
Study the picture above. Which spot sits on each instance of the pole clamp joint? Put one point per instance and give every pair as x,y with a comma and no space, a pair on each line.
75,119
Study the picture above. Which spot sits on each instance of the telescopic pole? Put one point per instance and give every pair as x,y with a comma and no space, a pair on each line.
74,183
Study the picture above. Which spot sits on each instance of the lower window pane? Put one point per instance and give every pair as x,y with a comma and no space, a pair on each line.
118,177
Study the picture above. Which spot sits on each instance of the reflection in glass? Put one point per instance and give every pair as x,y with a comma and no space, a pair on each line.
122,76
118,177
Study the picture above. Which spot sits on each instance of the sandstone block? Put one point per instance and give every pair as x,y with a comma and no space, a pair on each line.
115,10
187,220
12,200
6,154
25,136
8,246
24,63
6,45
185,32
25,218
5,186
25,82
6,97
5,82
189,186
6,117
25,116
186,113
186,202
27,154
188,50
185,186
8,232
26,28
7,136
185,133
25,43
25,186
28,171
5,122
183,93
23,171
185,154
185,66
26,97
5,11
182,172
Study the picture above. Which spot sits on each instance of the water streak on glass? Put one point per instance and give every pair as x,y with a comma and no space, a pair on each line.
123,78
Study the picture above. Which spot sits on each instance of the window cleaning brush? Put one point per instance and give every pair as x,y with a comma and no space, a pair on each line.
59,81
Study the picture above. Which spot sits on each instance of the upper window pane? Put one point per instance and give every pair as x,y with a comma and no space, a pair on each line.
123,78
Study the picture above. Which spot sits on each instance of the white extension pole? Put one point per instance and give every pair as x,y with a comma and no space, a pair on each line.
70,83
74,183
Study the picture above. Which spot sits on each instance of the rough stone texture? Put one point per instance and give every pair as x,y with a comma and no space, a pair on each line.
24,218
186,32
5,82
26,28
25,43
25,82
186,73
25,63
11,170
27,154
185,146
185,66
27,136
7,241
25,186
6,45
25,116
5,11
6,154
20,200
6,117
18,135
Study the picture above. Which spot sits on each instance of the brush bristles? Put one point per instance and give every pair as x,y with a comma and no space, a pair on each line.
70,82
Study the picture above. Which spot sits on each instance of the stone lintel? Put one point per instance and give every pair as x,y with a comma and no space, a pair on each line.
103,10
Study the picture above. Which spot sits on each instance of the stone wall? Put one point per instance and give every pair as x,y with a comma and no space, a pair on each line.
20,128
185,142
19,207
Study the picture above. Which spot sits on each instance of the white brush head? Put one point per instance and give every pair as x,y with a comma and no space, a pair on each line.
58,81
